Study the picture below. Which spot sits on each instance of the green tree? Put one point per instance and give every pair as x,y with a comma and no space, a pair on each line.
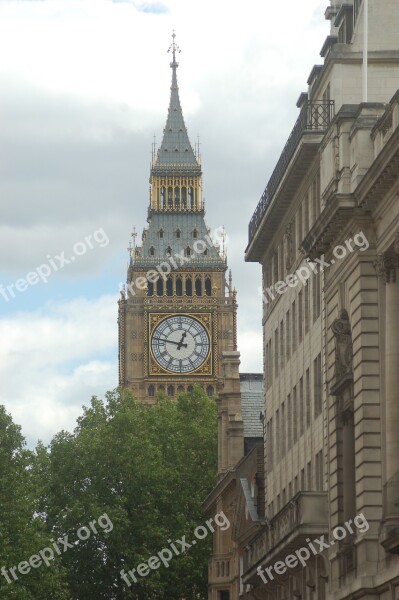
148,469
23,532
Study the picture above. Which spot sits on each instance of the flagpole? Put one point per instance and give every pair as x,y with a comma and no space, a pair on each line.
365,48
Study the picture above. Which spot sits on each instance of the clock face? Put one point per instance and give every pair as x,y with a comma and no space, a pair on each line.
180,344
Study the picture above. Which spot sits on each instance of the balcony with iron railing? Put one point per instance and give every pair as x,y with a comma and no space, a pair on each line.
305,515
314,119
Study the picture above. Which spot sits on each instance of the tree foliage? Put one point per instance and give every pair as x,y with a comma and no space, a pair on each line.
148,468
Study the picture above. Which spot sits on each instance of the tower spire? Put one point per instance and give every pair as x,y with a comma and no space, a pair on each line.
175,151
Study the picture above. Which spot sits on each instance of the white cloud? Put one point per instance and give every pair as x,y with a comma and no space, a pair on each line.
54,360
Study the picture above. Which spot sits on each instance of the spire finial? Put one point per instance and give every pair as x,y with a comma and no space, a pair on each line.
174,48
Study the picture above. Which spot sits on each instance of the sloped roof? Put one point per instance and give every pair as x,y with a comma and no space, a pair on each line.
252,404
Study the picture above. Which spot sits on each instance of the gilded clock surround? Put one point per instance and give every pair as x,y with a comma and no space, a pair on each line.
205,369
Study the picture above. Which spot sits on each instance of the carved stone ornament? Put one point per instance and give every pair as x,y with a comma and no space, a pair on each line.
343,345
387,264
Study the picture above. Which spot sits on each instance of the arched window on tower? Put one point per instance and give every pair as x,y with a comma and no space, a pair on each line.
190,389
168,251
190,197
180,389
151,391
195,234
160,287
178,233
189,286
163,197
208,286
187,251
152,251
170,197
171,390
184,197
179,286
161,233
198,286
150,289
210,390
177,197
169,286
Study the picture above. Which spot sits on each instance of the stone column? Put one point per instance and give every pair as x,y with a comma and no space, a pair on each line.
387,266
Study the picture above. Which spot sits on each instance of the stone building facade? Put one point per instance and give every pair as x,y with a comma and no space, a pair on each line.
326,232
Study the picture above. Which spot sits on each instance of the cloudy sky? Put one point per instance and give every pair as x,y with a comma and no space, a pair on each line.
84,87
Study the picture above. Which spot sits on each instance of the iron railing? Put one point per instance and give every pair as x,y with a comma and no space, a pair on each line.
314,117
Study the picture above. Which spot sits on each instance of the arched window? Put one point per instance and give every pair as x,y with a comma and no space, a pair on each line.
190,389
161,233
190,197
160,287
189,286
198,286
177,197
168,251
210,391
205,252
151,390
169,287
179,286
208,286
195,233
184,197
152,251
150,289
170,197
180,389
178,233
171,390
163,196
187,251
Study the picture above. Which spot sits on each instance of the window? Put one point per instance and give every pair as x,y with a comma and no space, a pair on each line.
151,391
183,198
171,390
287,334
309,476
319,471
195,234
210,390
278,435
293,323
168,251
289,421
308,398
160,287
163,193
306,214
300,316
318,402
300,227
152,251
198,286
295,415
190,389
208,285
169,287
177,197
356,9
307,308
282,433
301,408
178,233
270,442
170,197
187,251
161,233
316,296
282,344
276,354
150,289
189,286
179,286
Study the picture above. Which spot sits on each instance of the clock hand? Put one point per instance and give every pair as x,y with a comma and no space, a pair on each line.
179,344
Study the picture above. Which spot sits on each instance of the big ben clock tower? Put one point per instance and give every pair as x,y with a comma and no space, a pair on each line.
177,314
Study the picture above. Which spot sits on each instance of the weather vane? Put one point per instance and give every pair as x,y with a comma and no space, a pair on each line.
174,47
